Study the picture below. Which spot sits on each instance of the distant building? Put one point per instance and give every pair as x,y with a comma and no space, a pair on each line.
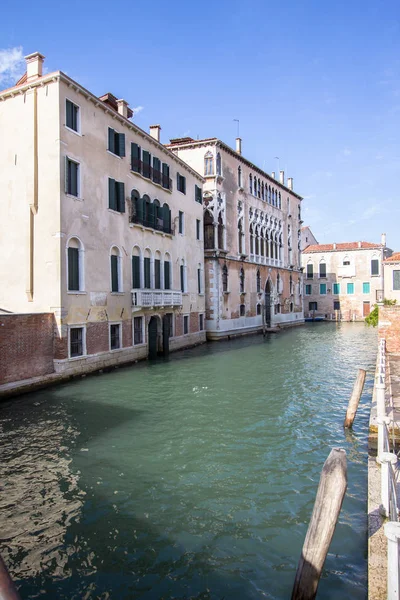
343,281
307,238
102,224
391,269
251,240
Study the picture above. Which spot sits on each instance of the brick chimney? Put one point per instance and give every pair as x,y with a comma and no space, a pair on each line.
282,177
34,66
123,108
155,132
239,145
290,183
383,239
273,174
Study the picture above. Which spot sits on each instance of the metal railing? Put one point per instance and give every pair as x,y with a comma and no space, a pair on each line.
157,176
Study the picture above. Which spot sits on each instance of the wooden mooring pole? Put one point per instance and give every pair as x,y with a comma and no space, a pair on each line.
8,591
328,502
355,398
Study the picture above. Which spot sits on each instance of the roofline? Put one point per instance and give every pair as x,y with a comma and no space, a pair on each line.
375,247
59,75
216,142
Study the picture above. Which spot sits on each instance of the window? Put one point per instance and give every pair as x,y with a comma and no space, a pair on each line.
199,286
241,281
76,341
72,173
308,289
147,279
166,182
201,322
116,142
350,288
170,317
336,305
291,307
181,222
322,289
218,162
396,280
136,158
137,330
208,164
198,226
242,310
322,270
72,116
239,176
181,183
224,278
310,271
208,231
116,195
312,305
185,324
156,170
167,273
157,274
75,265
277,309
182,273
258,310
136,270
366,287
251,183
258,281
198,195
374,266
115,258
346,263
115,337
146,164
336,288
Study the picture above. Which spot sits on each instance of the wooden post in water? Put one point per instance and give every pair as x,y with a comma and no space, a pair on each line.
355,398
330,494
8,591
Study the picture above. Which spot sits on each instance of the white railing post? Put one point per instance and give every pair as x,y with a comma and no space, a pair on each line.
380,400
383,438
392,532
387,459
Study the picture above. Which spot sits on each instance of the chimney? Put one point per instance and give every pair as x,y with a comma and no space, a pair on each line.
290,183
359,244
155,132
34,66
273,174
383,239
239,145
282,177
123,108
334,245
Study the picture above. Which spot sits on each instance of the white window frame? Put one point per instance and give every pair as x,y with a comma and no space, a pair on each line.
143,331
84,348
78,179
119,268
81,251
78,131
120,335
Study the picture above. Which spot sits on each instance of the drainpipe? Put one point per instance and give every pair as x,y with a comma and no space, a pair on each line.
33,205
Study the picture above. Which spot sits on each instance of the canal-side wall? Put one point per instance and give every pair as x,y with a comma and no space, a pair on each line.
389,327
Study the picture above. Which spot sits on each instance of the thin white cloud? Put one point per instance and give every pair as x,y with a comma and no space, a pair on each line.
370,212
12,64
137,109
347,151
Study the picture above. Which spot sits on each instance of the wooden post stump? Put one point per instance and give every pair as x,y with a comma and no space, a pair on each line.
355,398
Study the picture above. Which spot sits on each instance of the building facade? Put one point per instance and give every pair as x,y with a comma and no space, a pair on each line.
391,273
103,224
307,238
251,240
343,281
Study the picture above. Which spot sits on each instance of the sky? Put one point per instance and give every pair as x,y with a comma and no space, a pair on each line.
315,86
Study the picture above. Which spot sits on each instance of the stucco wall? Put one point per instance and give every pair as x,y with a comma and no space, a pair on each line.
389,327
390,293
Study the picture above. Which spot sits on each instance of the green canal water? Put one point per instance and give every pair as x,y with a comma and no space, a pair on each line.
193,477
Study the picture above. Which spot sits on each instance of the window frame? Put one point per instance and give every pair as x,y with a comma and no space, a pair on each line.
396,286
201,321
366,284
336,286
118,256
322,286
181,183
84,347
77,131
81,265
181,222
69,159
350,283
142,332
186,325
308,287
375,260
119,325
116,144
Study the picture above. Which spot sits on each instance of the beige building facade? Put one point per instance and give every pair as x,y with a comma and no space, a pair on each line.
307,238
343,281
391,270
251,240
103,224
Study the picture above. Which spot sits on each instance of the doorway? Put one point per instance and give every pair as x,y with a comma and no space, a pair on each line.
267,302
153,338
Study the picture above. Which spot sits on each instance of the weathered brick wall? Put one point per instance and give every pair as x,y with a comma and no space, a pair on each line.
97,337
389,327
26,346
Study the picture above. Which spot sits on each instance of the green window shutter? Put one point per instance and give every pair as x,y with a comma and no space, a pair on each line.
140,210
322,270
114,274
199,280
151,215
121,144
167,218
69,114
135,158
350,288
112,200
157,274
182,278
66,175
156,164
121,196
73,178
374,267
167,281
73,269
111,140
135,272
147,272
184,185
310,271
322,288
396,280
366,287
336,288
198,195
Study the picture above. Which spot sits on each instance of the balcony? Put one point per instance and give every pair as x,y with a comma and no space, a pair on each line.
154,223
145,298
138,166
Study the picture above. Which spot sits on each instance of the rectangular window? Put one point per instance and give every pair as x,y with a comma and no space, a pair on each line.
166,182
147,272
308,289
182,276
170,318
146,166
310,271
157,274
136,158
185,325
181,218
322,289
135,272
322,270
73,269
312,305
366,287
114,274
396,280
336,305
336,288
115,337
116,142
156,170
72,116
374,266
198,225
350,288
199,281
242,310
76,336
72,177
201,322
167,277
138,330
116,195
198,194
181,183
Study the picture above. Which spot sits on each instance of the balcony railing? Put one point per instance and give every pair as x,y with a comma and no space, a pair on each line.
156,298
379,295
156,223
138,166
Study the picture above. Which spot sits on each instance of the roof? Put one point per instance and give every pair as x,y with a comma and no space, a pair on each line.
394,258
341,247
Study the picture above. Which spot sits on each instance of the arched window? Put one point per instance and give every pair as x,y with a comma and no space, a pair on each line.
322,269
257,244
262,191
240,237
147,268
136,268
208,231
278,284
157,270
262,243
269,195
136,215
251,240
167,272
258,281
258,309
166,217
259,188
182,275
251,183
241,281
224,278
218,162
276,246
220,232
208,164
116,269
158,215
75,265
267,244
239,176
291,307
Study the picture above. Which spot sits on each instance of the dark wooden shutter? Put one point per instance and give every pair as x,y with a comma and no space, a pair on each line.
396,280
147,272
165,177
135,272
167,218
151,215
146,163
182,273
199,280
198,195
73,178
157,274
135,158
70,114
111,140
121,144
374,267
73,269
322,270
140,210
114,274
121,196
167,281
112,200
66,175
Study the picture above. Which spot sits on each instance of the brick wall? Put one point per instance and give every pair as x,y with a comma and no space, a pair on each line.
26,346
389,327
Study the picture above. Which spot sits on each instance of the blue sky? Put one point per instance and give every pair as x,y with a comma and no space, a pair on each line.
314,83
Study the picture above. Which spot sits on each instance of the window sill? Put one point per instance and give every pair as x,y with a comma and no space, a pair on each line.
142,344
78,133
226,293
116,212
117,293
113,154
77,357
76,293
185,293
74,197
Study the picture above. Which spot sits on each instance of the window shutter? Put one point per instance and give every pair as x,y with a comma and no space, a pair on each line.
151,215
147,272
69,114
66,174
135,272
121,144
199,280
112,201
73,178
396,280
157,274
167,281
140,209
111,140
121,196
167,218
182,278
374,267
184,185
114,273
73,269
135,158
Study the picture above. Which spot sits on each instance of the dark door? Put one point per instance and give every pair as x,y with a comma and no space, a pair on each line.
366,309
166,330
153,338
267,302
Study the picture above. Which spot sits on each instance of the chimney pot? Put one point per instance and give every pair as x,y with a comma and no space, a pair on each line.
34,66
155,132
290,183
273,174
334,245
359,244
383,239
282,177
123,108
239,145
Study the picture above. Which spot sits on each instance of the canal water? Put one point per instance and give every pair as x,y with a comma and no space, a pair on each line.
193,477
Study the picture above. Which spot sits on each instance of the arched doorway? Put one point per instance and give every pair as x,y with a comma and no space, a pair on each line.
267,303
153,338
